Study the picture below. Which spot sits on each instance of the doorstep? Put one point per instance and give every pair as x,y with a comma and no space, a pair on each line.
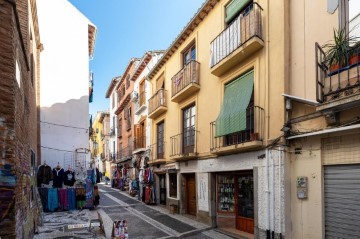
232,232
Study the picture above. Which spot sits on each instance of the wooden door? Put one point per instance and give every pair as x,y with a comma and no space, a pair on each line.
191,194
245,203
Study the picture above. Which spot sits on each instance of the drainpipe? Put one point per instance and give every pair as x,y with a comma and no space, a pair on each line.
273,196
267,196
280,186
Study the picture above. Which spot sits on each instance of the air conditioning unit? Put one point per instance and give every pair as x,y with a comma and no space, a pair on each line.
134,96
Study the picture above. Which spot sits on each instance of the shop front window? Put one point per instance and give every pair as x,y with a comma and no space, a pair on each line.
226,191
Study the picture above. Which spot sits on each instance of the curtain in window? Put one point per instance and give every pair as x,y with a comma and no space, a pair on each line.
237,95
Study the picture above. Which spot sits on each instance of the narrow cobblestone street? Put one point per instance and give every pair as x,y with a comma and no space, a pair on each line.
144,221
148,221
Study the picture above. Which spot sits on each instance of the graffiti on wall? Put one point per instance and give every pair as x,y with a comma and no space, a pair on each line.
7,195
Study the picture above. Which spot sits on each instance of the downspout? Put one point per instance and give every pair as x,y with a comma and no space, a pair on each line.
267,196
273,196
280,186
267,118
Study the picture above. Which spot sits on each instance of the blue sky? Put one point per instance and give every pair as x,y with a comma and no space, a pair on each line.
129,28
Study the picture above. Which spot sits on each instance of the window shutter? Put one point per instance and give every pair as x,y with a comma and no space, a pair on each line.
237,95
233,8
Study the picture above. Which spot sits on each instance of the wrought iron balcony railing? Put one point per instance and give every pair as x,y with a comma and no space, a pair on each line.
255,118
187,75
157,151
183,143
340,79
158,100
244,27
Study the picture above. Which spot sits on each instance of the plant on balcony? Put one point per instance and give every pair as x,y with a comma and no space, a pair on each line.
338,50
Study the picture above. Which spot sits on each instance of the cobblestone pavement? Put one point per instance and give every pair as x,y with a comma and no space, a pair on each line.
144,221
149,222
56,225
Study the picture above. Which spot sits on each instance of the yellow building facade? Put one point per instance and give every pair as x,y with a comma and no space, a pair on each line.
99,142
236,101
217,110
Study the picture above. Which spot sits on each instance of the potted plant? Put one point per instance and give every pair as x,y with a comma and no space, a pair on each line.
338,50
355,54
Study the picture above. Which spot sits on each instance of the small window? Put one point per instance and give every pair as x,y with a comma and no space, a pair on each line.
113,100
173,184
189,54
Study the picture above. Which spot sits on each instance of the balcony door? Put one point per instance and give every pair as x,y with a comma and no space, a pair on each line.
160,141
142,93
189,130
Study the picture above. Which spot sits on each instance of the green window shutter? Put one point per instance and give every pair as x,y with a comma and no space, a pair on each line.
237,95
234,8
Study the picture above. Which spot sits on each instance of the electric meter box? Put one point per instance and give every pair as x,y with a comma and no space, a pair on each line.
302,187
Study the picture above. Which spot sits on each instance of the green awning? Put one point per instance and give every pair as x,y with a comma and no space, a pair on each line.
233,8
237,95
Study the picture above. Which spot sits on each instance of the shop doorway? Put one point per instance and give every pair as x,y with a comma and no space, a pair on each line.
162,189
245,203
235,201
191,194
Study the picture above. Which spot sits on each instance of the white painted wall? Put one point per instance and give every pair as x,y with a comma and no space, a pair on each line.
113,138
155,58
270,199
64,73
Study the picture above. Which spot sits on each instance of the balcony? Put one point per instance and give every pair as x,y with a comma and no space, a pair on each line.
248,139
338,87
119,131
158,104
139,144
186,82
141,105
183,146
157,153
242,38
126,153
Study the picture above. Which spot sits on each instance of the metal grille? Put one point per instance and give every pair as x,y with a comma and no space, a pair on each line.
342,204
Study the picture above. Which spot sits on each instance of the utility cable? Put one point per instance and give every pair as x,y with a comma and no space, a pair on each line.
63,150
62,125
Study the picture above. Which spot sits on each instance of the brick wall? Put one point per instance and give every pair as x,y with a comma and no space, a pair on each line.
18,123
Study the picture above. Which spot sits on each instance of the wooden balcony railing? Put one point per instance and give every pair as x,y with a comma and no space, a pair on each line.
244,27
187,75
158,100
139,142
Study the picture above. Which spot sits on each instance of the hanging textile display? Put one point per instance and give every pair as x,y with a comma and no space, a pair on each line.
89,188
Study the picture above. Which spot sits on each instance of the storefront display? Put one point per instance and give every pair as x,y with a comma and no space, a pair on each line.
226,190
58,190
235,200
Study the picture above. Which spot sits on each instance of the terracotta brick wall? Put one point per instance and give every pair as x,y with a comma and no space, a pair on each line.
18,124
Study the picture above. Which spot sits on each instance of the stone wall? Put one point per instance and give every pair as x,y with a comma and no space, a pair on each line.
18,124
